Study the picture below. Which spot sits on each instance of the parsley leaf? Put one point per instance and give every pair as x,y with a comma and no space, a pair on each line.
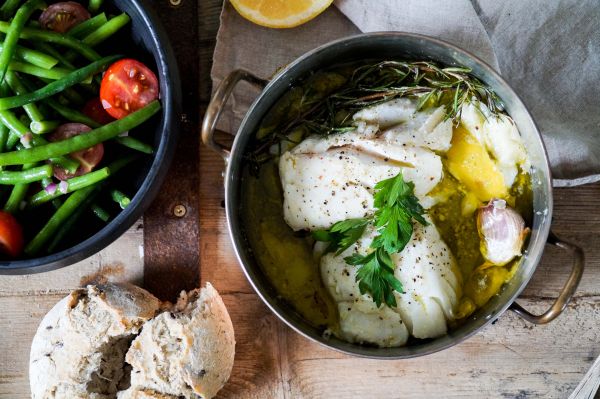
376,276
397,206
342,234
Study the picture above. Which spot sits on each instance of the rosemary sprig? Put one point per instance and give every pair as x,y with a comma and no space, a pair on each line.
326,105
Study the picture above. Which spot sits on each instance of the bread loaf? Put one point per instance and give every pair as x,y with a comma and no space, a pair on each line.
86,346
187,351
79,348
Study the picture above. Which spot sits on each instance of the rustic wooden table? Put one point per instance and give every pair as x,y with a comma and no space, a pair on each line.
510,359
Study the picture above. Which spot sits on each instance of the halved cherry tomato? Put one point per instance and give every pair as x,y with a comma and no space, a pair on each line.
127,86
87,158
96,111
61,17
11,235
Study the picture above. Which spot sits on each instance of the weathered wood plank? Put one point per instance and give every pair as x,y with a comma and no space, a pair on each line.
120,261
508,359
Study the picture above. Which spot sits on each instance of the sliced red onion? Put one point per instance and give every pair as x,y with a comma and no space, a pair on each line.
26,140
106,104
63,186
51,188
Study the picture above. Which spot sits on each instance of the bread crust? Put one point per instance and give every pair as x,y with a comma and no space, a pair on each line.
67,358
188,351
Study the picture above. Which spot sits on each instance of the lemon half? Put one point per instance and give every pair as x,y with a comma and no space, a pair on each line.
280,13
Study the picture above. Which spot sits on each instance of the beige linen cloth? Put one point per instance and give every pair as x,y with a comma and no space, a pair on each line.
549,51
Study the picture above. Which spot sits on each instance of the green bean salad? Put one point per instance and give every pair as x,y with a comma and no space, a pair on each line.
65,115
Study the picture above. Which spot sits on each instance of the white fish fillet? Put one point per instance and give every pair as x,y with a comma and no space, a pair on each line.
432,288
428,273
389,113
323,188
328,179
428,129
363,322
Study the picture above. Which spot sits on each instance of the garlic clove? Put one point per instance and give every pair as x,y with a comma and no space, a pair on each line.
502,231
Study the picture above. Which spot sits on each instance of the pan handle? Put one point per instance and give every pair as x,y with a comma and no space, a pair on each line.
217,103
566,293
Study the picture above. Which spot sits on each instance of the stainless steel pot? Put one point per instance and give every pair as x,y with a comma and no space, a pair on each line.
393,46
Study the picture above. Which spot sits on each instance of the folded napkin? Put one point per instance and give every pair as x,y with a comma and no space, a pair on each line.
548,51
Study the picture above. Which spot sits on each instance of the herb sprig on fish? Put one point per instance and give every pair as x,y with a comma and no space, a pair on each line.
397,207
325,102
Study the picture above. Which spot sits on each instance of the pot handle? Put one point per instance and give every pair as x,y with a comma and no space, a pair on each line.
217,103
566,293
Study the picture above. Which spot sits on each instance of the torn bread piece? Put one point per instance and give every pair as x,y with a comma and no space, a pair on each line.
186,352
79,348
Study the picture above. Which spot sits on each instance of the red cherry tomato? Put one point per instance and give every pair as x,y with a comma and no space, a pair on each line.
11,235
61,17
127,86
95,110
88,158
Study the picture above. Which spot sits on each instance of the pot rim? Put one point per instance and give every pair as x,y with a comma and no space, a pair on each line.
231,209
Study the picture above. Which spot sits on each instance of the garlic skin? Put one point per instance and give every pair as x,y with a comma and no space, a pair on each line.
502,231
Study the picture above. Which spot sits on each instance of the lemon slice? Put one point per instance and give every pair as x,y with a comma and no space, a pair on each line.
280,13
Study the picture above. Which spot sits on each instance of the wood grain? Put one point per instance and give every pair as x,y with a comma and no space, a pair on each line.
509,359
24,300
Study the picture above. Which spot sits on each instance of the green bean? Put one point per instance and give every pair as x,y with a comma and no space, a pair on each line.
106,30
34,57
12,141
120,198
48,49
71,95
70,222
14,31
84,28
81,141
8,8
25,176
4,131
16,126
100,212
70,114
95,5
55,73
58,219
59,85
19,89
56,38
135,144
73,184
43,127
120,163
4,134
11,121
13,204
102,33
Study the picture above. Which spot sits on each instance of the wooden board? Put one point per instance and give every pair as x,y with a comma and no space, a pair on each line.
509,359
